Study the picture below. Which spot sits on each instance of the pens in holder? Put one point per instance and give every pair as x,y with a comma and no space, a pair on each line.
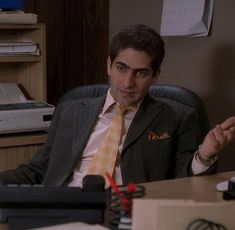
126,201
120,203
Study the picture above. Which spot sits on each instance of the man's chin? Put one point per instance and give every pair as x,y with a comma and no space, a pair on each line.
127,102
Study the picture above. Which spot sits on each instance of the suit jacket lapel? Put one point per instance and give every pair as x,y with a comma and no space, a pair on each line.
85,118
149,110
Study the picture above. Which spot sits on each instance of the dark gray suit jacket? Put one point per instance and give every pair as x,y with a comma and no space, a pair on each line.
143,159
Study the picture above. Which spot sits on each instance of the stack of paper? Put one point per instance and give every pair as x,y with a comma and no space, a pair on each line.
23,47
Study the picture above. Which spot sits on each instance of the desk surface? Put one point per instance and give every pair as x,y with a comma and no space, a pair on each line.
198,188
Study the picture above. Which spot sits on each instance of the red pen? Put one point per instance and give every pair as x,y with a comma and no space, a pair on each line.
113,184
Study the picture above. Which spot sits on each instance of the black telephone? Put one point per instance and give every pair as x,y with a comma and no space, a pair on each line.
34,206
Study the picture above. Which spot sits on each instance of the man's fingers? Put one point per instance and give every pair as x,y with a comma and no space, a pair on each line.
219,137
219,134
230,133
228,123
213,139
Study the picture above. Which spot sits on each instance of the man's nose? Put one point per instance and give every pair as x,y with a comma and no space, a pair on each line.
129,80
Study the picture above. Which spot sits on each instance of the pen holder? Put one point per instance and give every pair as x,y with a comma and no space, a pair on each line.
120,207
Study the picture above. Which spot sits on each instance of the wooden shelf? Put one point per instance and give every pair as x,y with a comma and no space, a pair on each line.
20,26
22,140
20,58
29,71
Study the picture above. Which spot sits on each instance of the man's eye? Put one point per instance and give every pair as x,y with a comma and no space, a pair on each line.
121,68
142,73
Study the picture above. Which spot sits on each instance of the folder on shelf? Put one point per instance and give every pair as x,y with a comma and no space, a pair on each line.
18,48
9,46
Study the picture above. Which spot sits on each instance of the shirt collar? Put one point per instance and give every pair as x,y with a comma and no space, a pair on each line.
110,101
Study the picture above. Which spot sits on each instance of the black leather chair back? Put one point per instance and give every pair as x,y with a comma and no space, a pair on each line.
172,92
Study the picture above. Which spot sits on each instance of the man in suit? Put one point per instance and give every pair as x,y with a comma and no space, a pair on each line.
159,140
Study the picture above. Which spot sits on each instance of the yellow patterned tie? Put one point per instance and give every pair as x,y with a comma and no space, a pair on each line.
105,158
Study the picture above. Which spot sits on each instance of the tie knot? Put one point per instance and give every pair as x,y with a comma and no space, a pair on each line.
121,109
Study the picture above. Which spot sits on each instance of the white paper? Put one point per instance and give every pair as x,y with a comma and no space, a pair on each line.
186,17
73,226
11,93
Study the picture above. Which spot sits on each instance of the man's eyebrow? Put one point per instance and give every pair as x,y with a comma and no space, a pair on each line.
143,69
136,70
121,63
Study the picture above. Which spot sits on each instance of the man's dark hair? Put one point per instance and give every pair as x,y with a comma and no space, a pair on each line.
142,38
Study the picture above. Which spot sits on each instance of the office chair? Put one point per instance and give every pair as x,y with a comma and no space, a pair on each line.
171,92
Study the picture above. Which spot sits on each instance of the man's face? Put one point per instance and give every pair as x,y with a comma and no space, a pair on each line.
131,76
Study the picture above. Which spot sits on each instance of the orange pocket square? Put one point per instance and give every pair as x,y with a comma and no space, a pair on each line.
155,136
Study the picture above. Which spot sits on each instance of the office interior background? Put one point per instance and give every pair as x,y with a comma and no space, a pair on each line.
77,36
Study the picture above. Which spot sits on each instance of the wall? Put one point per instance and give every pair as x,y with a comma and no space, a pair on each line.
77,42
205,64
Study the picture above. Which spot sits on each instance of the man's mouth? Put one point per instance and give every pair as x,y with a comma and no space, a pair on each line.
127,92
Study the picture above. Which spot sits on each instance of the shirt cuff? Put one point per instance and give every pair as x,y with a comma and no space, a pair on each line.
198,167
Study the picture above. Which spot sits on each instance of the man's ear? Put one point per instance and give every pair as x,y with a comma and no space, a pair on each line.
109,63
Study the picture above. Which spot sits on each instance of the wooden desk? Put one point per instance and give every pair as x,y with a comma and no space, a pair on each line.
167,214
198,188
18,149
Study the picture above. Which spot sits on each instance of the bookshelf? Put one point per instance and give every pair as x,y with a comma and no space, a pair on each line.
29,72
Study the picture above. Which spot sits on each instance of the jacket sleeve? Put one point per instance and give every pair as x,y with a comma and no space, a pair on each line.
188,141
